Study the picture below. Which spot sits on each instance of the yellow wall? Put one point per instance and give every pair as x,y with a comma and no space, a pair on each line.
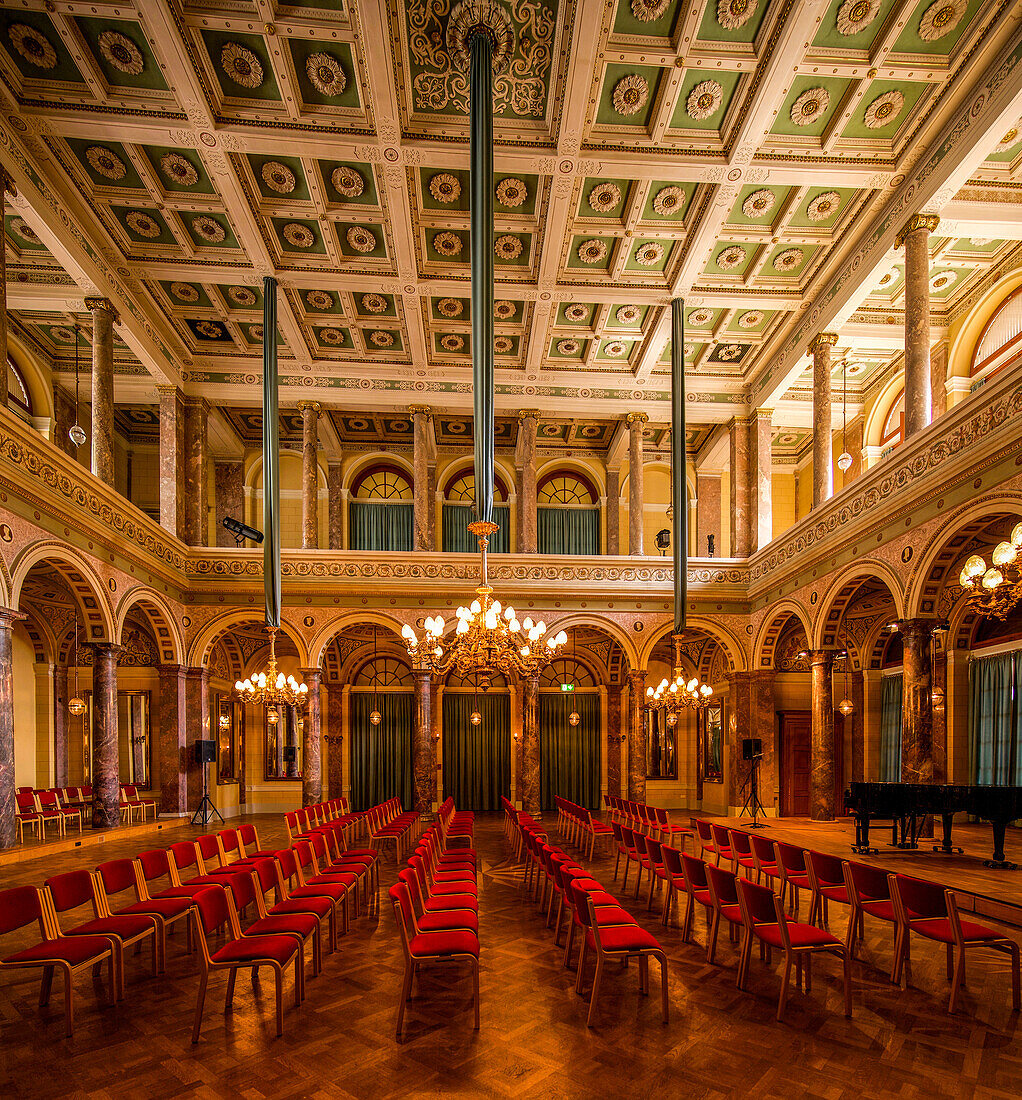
24,679
782,487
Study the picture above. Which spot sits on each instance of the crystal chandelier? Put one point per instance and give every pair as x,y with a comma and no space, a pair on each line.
677,695
272,689
995,592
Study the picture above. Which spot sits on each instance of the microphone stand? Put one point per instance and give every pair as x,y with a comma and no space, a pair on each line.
752,802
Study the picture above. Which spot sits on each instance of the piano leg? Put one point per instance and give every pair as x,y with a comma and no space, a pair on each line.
947,847
998,862
861,846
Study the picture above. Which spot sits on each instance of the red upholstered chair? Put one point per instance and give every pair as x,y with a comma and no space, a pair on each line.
248,838
148,804
596,830
869,894
930,911
794,877
674,835
452,947
439,918
184,859
132,807
704,835
157,876
827,882
296,886
767,867
722,844
215,910
724,896
271,875
27,814
655,866
19,907
697,887
636,852
49,803
741,849
231,851
46,816
674,880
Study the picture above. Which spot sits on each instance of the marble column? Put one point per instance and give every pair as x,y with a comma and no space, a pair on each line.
335,505
310,474
764,723
525,460
106,796
229,498
708,502
422,501
637,736
103,317
172,446
636,518
196,473
196,729
334,738
312,740
5,186
530,746
761,472
613,510
915,236
939,711
740,725
423,751
8,829
64,416
740,480
171,741
917,703
938,380
856,725
60,717
823,467
821,780
615,707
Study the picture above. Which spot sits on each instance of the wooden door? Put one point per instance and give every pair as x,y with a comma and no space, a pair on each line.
796,754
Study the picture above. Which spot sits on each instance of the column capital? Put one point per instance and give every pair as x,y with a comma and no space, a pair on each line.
822,339
168,391
104,304
637,676
636,418
313,406
106,649
929,222
315,674
824,657
7,185
528,414
423,410
9,616
919,627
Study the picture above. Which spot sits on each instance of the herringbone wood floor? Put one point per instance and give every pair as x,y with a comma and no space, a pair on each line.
533,1041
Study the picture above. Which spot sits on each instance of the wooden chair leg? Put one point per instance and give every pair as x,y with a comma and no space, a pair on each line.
784,987
69,1002
278,989
711,946
45,986
199,1002
596,989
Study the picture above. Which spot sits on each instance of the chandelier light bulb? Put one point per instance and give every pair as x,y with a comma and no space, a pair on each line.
76,706
992,578
1016,536
844,460
846,706
476,607
76,433
573,718
1004,554
475,718
527,622
376,718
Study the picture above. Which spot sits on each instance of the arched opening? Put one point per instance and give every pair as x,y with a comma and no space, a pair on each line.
1000,343
291,495
381,510
567,514
459,512
476,754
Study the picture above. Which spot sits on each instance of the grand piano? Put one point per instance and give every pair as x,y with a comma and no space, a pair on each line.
907,804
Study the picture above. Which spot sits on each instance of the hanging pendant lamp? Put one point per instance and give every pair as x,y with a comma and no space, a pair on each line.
573,718
76,704
76,433
375,717
844,459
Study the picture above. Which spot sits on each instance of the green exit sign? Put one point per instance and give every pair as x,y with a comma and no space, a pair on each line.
567,687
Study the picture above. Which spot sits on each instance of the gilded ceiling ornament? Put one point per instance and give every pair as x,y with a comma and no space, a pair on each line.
759,203
450,307
825,205
209,229
241,65
33,45
445,188
508,247
371,303
1012,137
502,345
381,338
512,192
886,278
120,52
646,11
732,14
325,73
630,94
649,253
255,332
628,315
729,352
704,100
604,197
331,336
751,319
105,161
941,18
810,106
855,15
447,244
488,14
689,350
278,177
143,224
451,341
179,170
730,257
301,236
592,251
319,299
503,310
360,239
24,230
210,329
942,280
348,183
700,317
884,109
788,260
568,347
62,333
615,348
668,201
184,292
981,242
576,312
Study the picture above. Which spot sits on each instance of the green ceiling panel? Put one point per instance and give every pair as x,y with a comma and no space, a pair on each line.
608,115
337,338
878,99
282,186
750,320
36,59
363,309
505,258
178,168
369,195
527,206
326,74
461,257
265,85
380,344
280,227
826,211
209,331
798,266
938,18
22,234
602,190
602,264
727,82
659,253
663,26
378,252
568,347
463,317
104,169
835,89
576,314
442,187
712,30
626,309
192,222
829,37
237,297
739,268
195,296
125,215
118,59
756,196
679,204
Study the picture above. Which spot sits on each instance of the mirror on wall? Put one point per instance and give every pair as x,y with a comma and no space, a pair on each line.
226,723
711,741
283,740
134,738
661,747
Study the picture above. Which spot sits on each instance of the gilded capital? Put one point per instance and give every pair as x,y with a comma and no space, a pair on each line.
823,339
528,414
636,418
425,410
929,222
313,405
104,304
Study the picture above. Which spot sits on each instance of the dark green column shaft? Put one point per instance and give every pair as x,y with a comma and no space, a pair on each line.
679,462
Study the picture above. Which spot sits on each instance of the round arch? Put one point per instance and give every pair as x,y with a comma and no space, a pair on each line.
377,458
40,636
724,637
320,640
254,473
80,577
876,418
611,629
583,470
160,618
198,651
970,331
466,465
34,375
842,591
771,627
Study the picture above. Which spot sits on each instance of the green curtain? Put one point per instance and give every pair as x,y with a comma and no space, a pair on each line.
569,756
890,729
379,526
381,756
995,719
458,539
477,759
568,530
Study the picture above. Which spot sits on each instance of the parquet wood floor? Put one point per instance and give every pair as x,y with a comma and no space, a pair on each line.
533,1041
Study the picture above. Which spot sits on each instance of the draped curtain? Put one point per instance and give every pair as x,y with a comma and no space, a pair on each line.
458,539
568,530
995,719
569,756
379,526
381,756
890,729
477,759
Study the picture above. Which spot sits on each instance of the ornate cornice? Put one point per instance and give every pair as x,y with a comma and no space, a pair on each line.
929,222
823,339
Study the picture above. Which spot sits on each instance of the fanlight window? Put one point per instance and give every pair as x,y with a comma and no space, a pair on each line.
17,391
894,425
389,673
566,671
1001,341
457,682
384,484
462,490
566,489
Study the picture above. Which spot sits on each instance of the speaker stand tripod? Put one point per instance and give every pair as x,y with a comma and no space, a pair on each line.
752,803
205,808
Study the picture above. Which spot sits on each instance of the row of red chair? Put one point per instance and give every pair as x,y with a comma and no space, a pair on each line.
458,825
386,823
436,907
63,806
578,826
648,820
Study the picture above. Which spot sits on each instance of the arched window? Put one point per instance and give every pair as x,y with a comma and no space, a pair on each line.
1000,344
568,515
566,670
894,426
384,672
459,511
380,513
381,751
18,396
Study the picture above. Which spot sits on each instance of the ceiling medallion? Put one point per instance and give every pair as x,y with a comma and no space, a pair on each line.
450,307
751,319
1010,138
360,239
568,347
615,348
630,94
348,183
981,242
730,257
120,52
209,329
143,224
447,244
487,17
649,253
278,177
106,162
941,18
371,303
728,352
942,280
319,299
325,74
242,295
593,251
823,206
732,14
184,292
788,260
33,45
445,187
503,345
604,197
503,310
576,312
646,11
178,170
508,247
382,339
700,317
628,315
209,229
759,203
855,15
301,236
704,100
62,333
512,192
669,200
255,333
884,109
810,106
24,230
331,336
451,341
241,65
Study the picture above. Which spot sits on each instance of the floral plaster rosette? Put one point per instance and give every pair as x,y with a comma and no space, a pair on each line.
348,183
628,315
298,235
649,253
33,45
184,292
371,302
360,239
119,51
105,162
669,200
729,352
759,203
699,317
503,310
451,341
24,230
732,14
576,312
507,247
62,333
884,109
568,347
604,197
630,94
319,299
142,223
751,319
512,192
179,170
210,329
209,229
447,244
243,296
278,177
241,65
502,345
730,257
445,188
593,251
614,348
810,106
855,15
450,307
331,336
646,11
382,339
704,100
325,73
941,18
942,280
788,260
824,206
